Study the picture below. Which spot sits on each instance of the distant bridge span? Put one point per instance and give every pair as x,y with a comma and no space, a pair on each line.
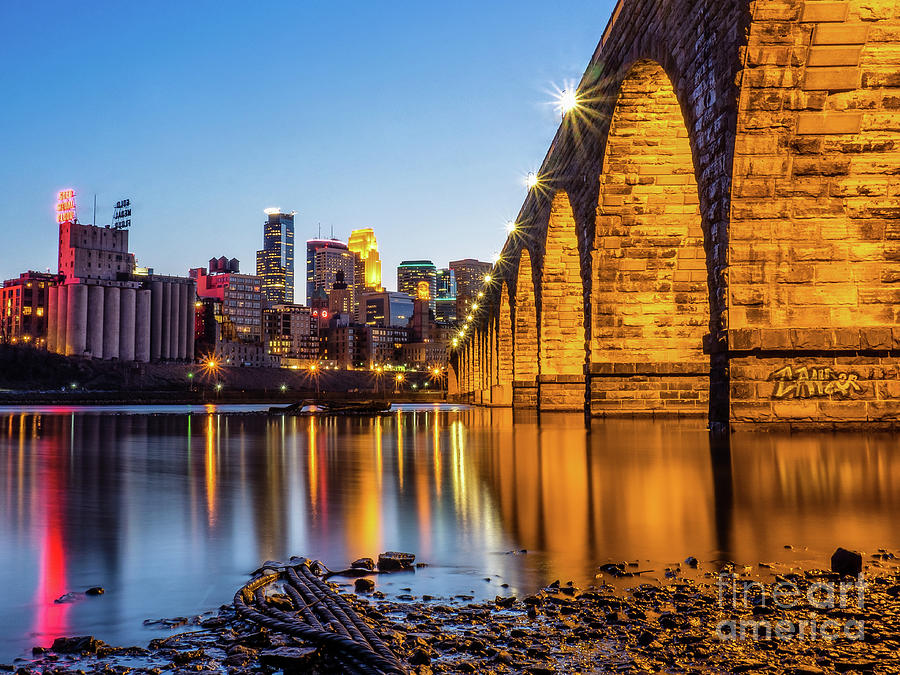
716,227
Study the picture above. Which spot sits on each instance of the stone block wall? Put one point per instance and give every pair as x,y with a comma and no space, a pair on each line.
650,297
814,258
504,338
815,220
801,378
652,389
525,336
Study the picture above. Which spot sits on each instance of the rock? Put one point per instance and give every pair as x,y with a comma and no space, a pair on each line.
364,585
67,598
691,561
614,569
645,638
420,657
394,560
238,660
213,622
505,603
86,644
363,564
846,562
95,590
297,659
180,658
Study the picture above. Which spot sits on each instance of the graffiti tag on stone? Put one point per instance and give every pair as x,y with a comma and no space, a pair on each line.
814,383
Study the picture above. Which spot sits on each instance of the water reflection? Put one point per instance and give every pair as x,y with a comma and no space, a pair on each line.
169,512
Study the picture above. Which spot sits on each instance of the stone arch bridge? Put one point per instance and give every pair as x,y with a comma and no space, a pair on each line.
715,229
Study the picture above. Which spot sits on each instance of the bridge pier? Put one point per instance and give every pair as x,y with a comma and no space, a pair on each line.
562,392
814,378
651,389
525,394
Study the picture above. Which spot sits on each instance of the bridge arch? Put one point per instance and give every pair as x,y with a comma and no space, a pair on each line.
562,339
650,298
525,336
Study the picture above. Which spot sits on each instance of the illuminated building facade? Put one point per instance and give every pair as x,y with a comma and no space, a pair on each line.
388,308
446,283
411,272
241,300
363,244
340,298
383,345
23,308
445,301
469,276
324,259
90,252
292,332
428,341
104,309
344,346
445,310
275,261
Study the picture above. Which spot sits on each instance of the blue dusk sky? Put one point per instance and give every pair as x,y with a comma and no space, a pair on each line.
417,119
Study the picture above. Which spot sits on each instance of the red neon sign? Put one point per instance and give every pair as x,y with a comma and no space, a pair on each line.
324,313
65,206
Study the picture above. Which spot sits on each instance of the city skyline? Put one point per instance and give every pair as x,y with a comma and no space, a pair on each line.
442,174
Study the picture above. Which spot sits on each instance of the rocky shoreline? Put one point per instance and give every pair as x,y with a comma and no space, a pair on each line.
695,617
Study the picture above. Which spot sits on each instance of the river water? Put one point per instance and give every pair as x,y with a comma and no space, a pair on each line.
170,508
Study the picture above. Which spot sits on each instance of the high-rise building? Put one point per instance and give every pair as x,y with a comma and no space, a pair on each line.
324,259
411,272
23,308
445,302
363,244
275,261
446,283
469,275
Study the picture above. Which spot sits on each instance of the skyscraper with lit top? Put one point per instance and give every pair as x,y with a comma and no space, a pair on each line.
275,261
363,244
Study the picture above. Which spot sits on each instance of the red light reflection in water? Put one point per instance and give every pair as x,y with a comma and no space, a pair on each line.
51,618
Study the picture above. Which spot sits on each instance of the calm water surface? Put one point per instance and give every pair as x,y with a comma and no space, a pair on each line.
170,512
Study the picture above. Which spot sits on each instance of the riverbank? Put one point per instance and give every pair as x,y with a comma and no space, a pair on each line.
694,617
29,376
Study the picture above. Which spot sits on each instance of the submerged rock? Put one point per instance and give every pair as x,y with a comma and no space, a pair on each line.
394,560
364,585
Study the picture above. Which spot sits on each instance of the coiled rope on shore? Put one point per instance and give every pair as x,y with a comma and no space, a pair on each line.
319,616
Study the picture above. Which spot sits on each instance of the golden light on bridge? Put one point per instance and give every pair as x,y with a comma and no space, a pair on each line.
511,226
531,180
